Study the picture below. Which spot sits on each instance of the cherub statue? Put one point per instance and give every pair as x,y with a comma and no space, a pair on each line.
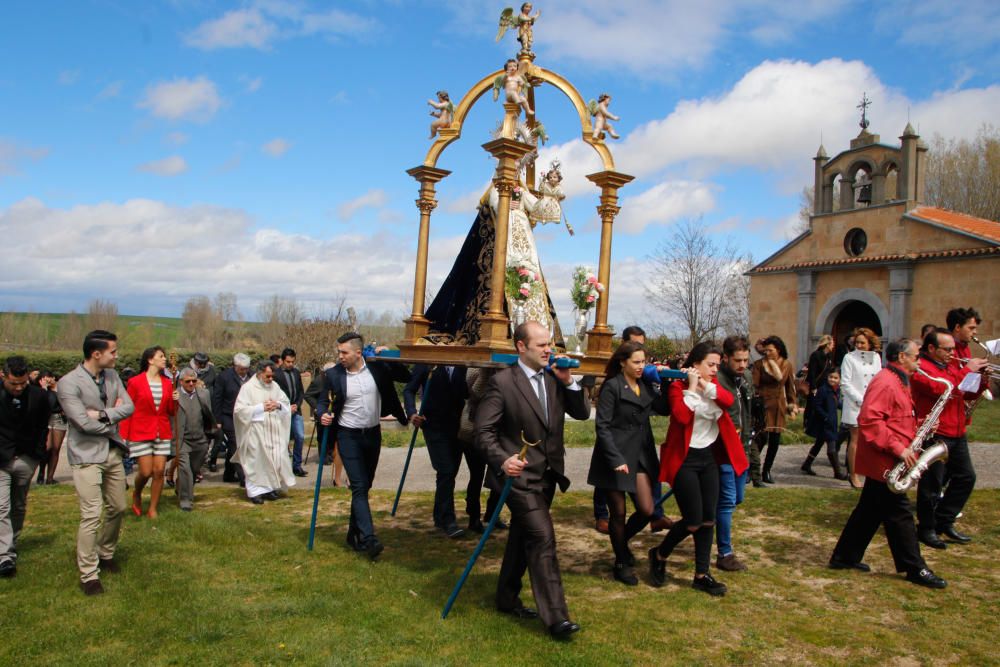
524,22
444,114
599,110
515,82
549,206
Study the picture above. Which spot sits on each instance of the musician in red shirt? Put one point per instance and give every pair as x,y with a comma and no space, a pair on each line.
886,428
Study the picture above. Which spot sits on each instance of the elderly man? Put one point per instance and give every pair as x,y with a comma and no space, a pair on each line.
195,430
227,388
24,424
262,417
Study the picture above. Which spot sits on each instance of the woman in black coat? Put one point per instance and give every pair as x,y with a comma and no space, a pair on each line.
624,458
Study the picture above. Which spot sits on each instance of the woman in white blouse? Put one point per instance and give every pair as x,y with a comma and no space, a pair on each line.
856,372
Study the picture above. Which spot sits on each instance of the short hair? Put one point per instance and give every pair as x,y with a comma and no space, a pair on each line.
265,364
15,366
522,333
242,360
872,337
700,351
959,316
354,338
778,344
926,329
97,340
275,358
288,352
147,356
896,348
634,330
931,338
188,372
734,344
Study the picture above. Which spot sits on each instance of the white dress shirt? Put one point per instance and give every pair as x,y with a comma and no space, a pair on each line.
705,429
362,403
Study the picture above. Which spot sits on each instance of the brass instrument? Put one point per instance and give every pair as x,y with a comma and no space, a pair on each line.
990,369
903,478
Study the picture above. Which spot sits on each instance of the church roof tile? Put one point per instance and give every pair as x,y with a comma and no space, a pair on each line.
879,259
967,224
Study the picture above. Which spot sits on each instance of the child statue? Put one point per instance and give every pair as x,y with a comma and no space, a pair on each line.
549,206
599,110
524,22
444,114
514,82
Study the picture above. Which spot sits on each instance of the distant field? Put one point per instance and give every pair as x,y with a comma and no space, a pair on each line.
46,327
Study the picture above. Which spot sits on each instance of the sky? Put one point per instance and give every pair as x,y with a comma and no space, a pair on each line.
155,151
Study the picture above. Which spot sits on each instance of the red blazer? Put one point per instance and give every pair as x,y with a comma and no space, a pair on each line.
148,422
886,424
674,449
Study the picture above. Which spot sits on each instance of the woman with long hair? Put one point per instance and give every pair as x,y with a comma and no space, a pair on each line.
148,430
624,458
774,378
856,372
820,363
57,429
701,436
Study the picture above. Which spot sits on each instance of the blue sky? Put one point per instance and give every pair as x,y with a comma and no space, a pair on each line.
150,151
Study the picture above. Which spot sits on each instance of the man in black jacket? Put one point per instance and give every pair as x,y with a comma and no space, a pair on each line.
227,388
24,425
440,414
362,392
289,378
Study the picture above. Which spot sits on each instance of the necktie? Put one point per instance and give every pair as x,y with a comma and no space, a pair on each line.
540,390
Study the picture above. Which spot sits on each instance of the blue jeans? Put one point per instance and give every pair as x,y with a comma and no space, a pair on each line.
299,437
731,487
359,450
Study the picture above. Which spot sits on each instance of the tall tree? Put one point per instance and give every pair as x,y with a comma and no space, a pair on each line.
102,314
964,175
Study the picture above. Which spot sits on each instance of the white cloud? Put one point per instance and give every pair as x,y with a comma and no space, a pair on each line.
276,147
939,23
234,29
132,240
177,138
110,91
12,155
182,99
168,166
372,199
663,204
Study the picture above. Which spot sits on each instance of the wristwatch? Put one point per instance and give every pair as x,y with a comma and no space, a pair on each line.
103,417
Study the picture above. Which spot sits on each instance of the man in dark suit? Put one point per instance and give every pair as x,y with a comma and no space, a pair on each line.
289,378
441,412
362,392
227,388
24,425
526,403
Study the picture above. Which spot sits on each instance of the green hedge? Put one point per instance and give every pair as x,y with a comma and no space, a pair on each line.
61,363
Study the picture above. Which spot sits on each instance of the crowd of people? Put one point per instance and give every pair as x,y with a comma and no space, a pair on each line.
508,424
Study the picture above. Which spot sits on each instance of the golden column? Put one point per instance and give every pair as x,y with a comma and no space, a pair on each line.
494,326
599,338
417,325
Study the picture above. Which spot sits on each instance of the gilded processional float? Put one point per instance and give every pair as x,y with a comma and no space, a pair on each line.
496,281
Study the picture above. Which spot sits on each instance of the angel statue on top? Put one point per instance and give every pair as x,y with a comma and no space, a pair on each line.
444,114
524,22
549,207
514,82
599,110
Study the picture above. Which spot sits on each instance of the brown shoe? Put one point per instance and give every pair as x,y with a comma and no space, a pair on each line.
601,526
663,523
108,565
730,563
92,587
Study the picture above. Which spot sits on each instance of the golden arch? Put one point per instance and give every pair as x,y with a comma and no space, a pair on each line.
447,135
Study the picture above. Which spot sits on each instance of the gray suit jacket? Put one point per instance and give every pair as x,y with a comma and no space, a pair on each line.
197,414
88,440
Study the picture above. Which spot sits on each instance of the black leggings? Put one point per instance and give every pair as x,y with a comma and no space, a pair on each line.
831,447
621,531
696,488
773,442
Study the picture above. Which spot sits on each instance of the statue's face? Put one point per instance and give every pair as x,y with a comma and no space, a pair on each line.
511,67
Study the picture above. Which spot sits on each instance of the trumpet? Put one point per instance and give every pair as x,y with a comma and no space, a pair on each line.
989,368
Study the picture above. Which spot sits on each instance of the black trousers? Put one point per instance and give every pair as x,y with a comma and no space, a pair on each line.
880,506
696,488
473,491
233,472
933,511
446,455
531,546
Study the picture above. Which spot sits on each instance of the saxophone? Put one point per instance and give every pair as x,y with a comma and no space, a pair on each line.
901,478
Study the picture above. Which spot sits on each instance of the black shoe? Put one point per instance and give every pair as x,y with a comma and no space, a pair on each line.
108,565
625,574
759,484
657,568
926,578
271,495
186,509
257,500
213,468
476,526
228,479
709,585
765,476
837,564
8,569
299,472
930,538
352,541
374,548
453,531
954,535
563,629
500,525
92,587
629,557
521,612
807,469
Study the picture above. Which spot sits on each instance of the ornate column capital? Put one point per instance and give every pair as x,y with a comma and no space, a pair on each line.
426,205
607,211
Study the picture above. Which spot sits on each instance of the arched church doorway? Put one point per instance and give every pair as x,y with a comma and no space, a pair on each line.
855,314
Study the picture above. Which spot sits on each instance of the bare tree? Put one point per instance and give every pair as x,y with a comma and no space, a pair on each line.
964,175
695,281
102,314
202,324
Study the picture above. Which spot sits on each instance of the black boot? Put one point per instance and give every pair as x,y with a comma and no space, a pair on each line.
838,473
765,476
807,465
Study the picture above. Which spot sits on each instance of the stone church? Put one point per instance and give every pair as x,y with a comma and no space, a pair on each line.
880,259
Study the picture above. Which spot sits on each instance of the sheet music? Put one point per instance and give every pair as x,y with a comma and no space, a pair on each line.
970,383
993,346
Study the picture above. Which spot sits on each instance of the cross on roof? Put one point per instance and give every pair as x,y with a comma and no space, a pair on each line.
865,103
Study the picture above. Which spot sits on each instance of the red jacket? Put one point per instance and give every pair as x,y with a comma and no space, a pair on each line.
149,422
674,449
926,393
886,424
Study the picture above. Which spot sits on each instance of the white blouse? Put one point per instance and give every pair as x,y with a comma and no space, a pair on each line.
705,429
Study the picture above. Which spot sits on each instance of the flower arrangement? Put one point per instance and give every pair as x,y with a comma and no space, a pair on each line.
521,283
585,290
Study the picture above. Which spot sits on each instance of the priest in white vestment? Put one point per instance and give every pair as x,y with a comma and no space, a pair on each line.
263,417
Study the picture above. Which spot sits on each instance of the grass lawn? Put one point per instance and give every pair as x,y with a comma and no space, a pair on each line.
233,584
